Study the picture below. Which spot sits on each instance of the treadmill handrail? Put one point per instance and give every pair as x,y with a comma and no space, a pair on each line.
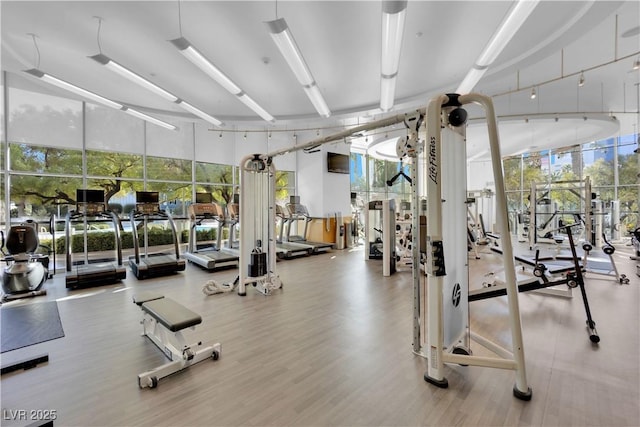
198,219
155,216
71,216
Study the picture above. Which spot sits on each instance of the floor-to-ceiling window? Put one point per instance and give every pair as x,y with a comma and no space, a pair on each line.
52,146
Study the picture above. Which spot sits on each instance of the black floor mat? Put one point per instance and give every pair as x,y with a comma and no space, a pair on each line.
29,324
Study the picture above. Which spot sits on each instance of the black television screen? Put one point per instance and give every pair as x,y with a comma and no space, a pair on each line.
338,163
204,198
147,197
89,196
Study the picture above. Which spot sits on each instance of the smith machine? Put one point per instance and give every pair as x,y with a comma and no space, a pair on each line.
441,330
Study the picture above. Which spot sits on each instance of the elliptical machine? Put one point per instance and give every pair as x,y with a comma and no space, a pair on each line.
26,271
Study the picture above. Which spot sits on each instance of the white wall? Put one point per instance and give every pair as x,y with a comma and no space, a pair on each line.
323,193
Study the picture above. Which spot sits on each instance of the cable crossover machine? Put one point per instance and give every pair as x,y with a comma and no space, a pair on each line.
441,314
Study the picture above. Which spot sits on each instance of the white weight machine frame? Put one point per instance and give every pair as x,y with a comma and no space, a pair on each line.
432,322
257,222
446,310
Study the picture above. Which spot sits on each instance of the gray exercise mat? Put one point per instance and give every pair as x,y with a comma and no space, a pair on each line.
29,324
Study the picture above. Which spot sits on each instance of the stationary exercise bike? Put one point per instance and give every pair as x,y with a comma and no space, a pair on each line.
26,271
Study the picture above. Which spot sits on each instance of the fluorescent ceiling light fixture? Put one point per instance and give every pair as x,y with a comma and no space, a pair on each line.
190,108
130,75
471,79
393,17
499,40
282,37
387,92
150,119
95,97
199,60
507,29
141,81
313,93
73,88
249,102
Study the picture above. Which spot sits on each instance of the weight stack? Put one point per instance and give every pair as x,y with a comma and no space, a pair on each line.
258,265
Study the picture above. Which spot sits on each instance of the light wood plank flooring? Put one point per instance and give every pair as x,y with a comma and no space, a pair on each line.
332,348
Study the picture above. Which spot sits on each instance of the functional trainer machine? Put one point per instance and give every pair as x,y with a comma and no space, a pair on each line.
211,257
157,264
443,316
257,234
91,209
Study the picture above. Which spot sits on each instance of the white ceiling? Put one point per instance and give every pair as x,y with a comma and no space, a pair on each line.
340,41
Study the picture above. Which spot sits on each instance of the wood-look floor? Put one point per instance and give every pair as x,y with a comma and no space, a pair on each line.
332,348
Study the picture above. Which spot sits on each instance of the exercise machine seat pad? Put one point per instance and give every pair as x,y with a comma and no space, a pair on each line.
171,314
146,296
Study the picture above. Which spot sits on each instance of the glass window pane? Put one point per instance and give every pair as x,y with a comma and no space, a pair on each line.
532,170
38,197
512,173
174,197
114,164
222,194
358,172
597,158
628,161
566,164
32,158
377,175
214,172
168,169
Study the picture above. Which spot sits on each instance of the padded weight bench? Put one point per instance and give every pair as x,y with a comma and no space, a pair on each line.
163,321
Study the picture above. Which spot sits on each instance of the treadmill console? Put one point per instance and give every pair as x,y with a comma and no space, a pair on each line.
147,202
297,209
148,208
207,210
90,202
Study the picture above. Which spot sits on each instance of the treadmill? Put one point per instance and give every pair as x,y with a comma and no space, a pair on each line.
210,257
91,208
289,249
299,212
152,264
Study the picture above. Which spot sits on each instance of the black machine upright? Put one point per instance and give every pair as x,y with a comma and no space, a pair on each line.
91,210
146,213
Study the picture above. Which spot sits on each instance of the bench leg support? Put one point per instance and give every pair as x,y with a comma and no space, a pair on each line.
174,347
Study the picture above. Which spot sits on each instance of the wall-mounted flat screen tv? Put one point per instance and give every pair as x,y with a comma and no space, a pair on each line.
338,163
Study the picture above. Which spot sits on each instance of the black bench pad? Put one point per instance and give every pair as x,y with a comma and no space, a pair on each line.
171,314
146,296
